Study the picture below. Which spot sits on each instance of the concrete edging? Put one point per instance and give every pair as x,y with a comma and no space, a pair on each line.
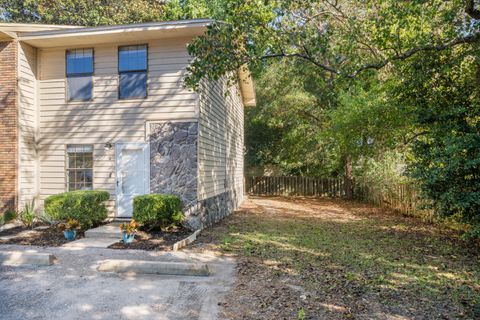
18,258
10,225
185,242
155,267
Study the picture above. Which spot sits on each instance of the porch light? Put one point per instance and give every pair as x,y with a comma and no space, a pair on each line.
108,146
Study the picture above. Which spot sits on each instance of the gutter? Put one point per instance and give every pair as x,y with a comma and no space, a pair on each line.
154,26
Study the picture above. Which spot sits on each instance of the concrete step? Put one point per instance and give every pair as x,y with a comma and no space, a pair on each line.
91,243
108,231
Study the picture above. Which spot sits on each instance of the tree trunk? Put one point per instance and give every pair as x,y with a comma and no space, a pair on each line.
348,177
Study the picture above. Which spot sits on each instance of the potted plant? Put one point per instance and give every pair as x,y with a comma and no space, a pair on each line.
128,231
70,229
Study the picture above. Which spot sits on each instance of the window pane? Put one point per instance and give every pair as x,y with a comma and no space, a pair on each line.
132,58
83,161
71,161
87,176
79,61
71,176
80,88
80,179
133,85
80,164
88,160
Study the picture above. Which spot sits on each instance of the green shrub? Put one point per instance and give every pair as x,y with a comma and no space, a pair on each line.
8,216
85,206
157,210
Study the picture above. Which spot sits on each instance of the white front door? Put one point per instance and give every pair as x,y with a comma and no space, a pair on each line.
133,175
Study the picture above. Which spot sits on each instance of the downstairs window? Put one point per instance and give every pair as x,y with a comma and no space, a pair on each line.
79,167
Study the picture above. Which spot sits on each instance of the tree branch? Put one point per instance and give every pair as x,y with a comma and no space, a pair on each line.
376,66
407,141
471,10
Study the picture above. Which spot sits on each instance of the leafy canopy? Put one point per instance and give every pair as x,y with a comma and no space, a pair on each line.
340,37
103,12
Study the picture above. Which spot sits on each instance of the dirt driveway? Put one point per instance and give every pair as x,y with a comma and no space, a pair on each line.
331,259
74,289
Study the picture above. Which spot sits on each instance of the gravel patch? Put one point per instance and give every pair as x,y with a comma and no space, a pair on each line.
72,288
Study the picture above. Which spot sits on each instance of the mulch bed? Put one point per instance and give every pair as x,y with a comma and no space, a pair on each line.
154,240
43,236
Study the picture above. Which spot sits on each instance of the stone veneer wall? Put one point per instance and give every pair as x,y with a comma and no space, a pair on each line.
8,126
211,210
173,160
173,170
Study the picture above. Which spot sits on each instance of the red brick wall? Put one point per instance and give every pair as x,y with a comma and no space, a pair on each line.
8,126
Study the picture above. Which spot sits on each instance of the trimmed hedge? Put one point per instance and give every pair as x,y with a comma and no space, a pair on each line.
85,206
157,210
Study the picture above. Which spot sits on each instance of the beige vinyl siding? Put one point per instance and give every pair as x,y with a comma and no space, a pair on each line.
220,144
27,108
106,118
235,142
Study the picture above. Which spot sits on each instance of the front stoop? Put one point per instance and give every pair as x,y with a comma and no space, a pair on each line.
110,231
100,237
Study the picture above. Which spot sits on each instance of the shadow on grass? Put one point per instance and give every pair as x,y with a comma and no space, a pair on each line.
366,263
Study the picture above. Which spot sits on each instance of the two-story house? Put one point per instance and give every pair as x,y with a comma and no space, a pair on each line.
105,108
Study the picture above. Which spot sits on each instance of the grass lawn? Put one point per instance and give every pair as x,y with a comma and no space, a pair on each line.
332,259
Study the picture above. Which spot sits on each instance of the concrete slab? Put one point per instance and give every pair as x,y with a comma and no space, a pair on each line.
155,267
91,243
19,258
74,289
111,230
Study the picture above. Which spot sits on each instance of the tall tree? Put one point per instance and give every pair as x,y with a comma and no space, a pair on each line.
444,88
308,125
104,12
342,38
292,101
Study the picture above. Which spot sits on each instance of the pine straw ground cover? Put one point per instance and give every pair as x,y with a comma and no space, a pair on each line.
155,240
332,259
43,236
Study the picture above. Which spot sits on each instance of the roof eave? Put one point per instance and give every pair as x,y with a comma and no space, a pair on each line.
79,36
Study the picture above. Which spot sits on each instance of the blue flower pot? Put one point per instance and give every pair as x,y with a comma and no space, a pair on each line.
70,234
127,238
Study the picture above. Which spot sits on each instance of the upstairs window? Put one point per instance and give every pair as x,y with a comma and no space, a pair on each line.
79,74
132,72
79,167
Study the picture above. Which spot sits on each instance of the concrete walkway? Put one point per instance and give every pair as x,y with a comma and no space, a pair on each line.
72,288
100,237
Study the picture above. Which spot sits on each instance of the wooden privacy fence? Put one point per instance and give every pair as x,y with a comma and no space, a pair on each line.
404,198
400,197
295,186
